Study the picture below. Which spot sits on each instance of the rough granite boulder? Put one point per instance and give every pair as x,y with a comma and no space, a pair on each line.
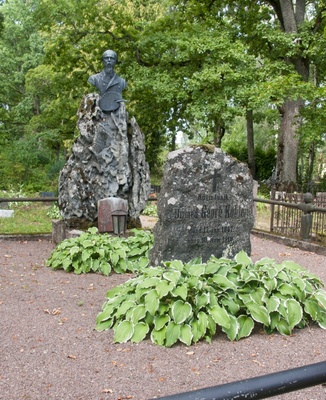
205,206
107,160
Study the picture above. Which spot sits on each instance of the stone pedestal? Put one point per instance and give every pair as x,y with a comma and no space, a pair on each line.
107,160
58,231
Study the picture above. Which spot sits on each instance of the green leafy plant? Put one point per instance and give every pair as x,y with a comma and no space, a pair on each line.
15,192
102,253
150,210
190,301
54,212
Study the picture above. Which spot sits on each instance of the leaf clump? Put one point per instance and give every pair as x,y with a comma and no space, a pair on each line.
91,252
187,302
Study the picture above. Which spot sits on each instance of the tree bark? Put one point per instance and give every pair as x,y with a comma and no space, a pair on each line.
288,144
250,143
219,132
290,14
311,161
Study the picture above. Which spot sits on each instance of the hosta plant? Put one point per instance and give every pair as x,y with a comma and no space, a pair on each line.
150,210
102,253
190,301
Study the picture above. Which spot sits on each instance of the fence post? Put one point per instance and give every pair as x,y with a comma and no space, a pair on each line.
306,218
271,223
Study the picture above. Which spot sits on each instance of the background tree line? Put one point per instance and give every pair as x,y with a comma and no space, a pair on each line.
248,76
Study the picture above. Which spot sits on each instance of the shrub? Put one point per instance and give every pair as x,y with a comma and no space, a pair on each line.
91,252
190,301
15,192
150,210
54,212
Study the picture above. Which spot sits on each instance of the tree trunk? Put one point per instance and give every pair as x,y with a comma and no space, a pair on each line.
250,143
291,15
173,142
37,106
288,144
311,161
219,132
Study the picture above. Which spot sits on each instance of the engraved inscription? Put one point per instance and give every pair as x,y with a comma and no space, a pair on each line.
222,211
212,197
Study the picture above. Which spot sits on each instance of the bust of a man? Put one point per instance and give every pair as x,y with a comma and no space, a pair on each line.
108,83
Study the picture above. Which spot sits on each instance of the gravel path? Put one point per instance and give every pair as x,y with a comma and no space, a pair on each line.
50,350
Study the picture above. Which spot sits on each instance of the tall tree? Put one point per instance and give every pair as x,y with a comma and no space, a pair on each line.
21,49
76,33
288,34
240,54
291,16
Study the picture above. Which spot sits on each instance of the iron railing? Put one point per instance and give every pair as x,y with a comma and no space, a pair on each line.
27,199
295,219
261,387
299,225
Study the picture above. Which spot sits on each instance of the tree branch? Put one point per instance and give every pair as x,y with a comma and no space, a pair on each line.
277,8
319,19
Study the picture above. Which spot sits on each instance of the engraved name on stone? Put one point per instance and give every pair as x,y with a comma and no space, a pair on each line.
223,211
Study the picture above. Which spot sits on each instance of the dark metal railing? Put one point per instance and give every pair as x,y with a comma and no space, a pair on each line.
307,207
27,199
32,199
261,387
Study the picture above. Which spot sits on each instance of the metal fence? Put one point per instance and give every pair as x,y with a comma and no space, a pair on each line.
28,199
291,214
261,387
287,215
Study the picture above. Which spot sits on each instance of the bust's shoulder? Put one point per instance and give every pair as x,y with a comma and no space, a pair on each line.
95,78
122,81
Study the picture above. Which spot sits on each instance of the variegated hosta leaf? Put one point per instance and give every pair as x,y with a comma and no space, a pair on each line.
220,316
140,331
294,312
181,311
123,332
246,325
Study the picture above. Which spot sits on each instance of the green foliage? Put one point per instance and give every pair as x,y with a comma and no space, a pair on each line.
150,210
54,212
265,162
17,192
187,302
91,252
25,160
235,143
190,67
265,159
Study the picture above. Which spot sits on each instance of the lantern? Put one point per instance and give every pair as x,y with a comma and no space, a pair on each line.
119,222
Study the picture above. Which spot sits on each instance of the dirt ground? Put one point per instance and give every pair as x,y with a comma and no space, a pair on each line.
50,350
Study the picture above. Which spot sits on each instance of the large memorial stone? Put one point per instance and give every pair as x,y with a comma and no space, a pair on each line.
205,206
107,160
108,157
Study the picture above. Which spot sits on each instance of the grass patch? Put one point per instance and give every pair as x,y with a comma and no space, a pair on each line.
263,217
28,219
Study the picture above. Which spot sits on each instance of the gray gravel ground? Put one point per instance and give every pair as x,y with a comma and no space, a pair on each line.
50,350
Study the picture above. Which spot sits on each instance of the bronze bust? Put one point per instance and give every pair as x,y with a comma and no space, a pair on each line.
108,83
